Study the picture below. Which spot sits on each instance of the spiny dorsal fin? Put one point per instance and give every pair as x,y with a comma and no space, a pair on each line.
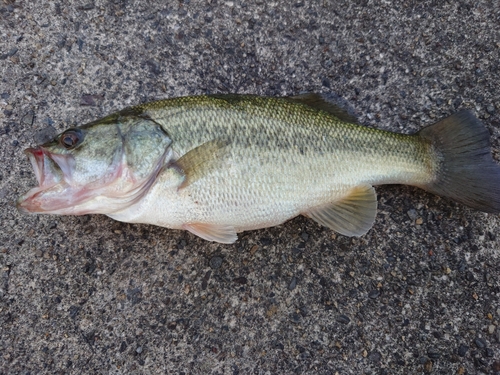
319,102
353,215
213,232
200,160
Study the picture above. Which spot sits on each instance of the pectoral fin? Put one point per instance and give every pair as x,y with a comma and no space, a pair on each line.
353,215
213,232
200,160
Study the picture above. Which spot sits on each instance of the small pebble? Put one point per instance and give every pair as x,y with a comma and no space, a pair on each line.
462,350
480,342
28,118
428,366
343,319
44,135
491,329
374,294
496,366
88,6
240,280
123,346
206,278
295,317
215,262
254,249
265,241
412,214
433,353
73,311
272,310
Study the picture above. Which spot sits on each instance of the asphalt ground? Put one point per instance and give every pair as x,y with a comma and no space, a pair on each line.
418,294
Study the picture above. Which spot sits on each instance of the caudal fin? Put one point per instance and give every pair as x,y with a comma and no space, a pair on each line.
467,173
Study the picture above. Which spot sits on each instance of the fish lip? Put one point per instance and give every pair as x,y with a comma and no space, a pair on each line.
36,156
27,204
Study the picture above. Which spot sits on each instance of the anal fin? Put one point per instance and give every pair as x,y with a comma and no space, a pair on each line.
352,215
213,232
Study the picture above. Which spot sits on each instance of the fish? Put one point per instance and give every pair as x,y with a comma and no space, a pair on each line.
218,165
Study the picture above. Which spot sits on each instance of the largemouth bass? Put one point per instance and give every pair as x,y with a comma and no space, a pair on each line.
217,165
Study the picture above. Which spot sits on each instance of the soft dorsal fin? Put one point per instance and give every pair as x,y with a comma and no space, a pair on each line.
213,232
319,102
200,160
352,215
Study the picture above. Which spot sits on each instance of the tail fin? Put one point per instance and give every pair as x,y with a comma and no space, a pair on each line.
467,172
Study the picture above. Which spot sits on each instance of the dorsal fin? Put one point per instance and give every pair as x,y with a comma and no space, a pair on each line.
319,102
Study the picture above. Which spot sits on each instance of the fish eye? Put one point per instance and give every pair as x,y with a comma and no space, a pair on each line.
71,138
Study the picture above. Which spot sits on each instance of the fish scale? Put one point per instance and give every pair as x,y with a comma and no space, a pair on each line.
278,164
273,128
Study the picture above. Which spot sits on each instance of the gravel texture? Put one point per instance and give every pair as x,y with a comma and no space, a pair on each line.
418,294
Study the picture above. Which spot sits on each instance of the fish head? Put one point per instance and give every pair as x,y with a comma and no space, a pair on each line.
101,167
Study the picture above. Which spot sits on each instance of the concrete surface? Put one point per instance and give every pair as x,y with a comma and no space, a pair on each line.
418,294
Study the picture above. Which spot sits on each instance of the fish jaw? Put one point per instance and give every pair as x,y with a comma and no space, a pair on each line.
54,175
37,201
59,194
62,199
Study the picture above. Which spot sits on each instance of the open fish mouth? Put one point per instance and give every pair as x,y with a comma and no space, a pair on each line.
59,191
43,162
53,172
